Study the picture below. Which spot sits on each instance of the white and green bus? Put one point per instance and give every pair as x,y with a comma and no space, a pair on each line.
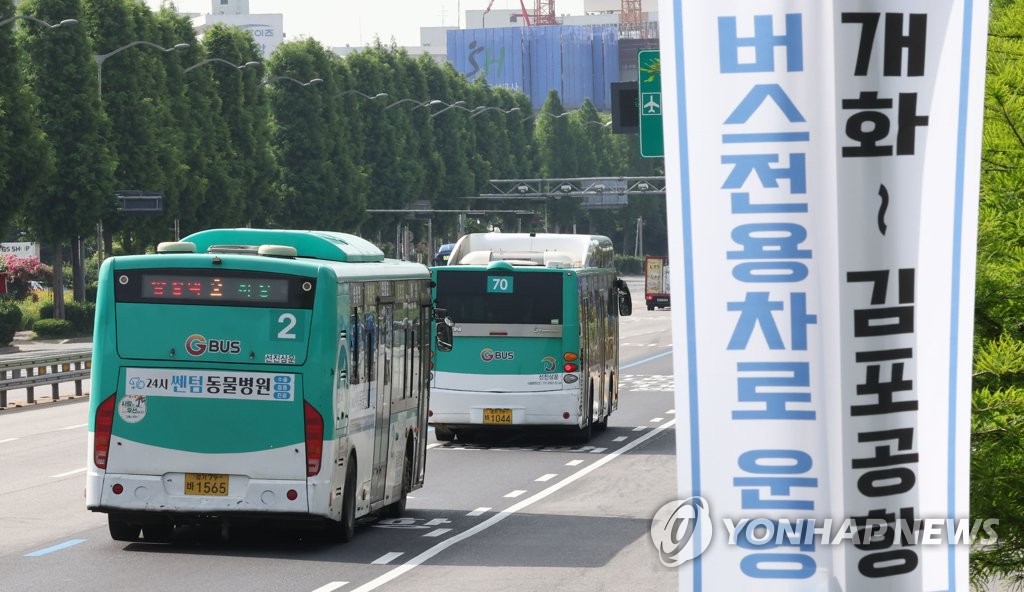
537,322
243,375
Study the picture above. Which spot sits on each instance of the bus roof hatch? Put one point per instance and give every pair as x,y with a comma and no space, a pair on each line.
315,244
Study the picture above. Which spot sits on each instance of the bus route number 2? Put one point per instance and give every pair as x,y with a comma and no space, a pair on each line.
499,284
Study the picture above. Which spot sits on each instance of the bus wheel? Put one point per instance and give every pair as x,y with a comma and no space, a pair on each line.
443,434
121,529
346,529
396,509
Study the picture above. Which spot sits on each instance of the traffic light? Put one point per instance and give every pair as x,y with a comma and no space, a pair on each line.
625,108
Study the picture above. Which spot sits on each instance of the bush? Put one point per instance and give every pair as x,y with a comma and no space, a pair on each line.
629,265
10,321
53,328
22,270
81,315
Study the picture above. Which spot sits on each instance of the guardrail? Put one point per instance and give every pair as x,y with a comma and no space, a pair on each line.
34,371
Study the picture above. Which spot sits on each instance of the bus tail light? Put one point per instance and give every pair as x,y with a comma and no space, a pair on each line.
314,439
569,367
104,429
570,357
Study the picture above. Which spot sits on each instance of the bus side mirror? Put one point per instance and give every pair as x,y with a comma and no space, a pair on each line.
445,330
625,299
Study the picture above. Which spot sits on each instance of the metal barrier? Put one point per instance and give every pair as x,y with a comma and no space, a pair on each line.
33,371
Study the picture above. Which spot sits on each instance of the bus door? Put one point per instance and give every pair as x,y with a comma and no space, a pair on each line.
421,385
601,353
382,423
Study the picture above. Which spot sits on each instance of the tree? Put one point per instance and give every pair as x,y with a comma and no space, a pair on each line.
997,422
26,159
61,71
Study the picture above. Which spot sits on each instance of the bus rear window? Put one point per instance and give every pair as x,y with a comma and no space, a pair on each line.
214,288
501,298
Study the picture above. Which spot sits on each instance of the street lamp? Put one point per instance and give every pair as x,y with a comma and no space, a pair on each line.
295,80
380,95
233,65
100,58
39,21
400,101
452,106
482,110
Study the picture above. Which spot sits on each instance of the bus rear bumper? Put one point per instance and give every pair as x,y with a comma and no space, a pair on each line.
452,408
120,493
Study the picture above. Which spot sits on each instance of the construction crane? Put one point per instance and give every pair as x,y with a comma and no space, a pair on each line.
543,12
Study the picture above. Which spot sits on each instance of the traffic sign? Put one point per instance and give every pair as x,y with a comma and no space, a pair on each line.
652,136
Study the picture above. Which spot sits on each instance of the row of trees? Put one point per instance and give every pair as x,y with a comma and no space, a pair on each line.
85,111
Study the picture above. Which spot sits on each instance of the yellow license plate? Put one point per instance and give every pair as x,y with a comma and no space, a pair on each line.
206,484
497,416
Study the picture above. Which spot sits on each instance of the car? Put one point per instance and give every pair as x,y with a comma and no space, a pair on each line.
445,251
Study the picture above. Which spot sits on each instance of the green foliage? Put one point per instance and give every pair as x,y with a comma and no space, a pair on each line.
81,315
53,329
629,265
997,422
10,321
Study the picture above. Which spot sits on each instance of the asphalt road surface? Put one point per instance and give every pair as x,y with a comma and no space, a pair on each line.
526,512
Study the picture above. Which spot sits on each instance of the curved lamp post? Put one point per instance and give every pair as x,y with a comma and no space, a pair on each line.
539,113
100,58
482,110
452,106
39,21
222,61
380,95
294,80
400,101
598,123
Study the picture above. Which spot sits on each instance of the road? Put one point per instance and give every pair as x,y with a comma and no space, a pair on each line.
525,513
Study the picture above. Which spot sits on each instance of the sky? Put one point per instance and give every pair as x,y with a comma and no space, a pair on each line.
337,23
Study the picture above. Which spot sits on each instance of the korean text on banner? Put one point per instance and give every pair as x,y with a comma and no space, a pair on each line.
822,162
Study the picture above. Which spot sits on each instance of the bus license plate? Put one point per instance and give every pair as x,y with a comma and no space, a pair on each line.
206,484
497,416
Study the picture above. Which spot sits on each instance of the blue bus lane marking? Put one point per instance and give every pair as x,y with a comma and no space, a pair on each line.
645,360
58,547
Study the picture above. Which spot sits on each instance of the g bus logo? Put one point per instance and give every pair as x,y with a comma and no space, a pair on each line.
673,527
549,363
197,345
487,354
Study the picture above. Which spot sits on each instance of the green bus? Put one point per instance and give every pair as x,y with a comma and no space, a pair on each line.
537,319
276,376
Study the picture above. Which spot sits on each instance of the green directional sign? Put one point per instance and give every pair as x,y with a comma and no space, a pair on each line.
652,136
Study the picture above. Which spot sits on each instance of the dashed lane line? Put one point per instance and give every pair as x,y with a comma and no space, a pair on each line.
428,554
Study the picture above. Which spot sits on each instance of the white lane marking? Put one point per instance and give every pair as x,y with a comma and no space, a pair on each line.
598,450
671,412
657,420
68,474
547,477
621,439
387,558
639,428
516,493
437,522
479,512
437,532
433,445
573,463
75,427
425,556
5,440
331,587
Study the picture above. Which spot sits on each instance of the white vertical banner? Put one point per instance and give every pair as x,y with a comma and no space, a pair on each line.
822,163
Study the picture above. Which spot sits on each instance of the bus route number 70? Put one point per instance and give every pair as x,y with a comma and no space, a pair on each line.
499,284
